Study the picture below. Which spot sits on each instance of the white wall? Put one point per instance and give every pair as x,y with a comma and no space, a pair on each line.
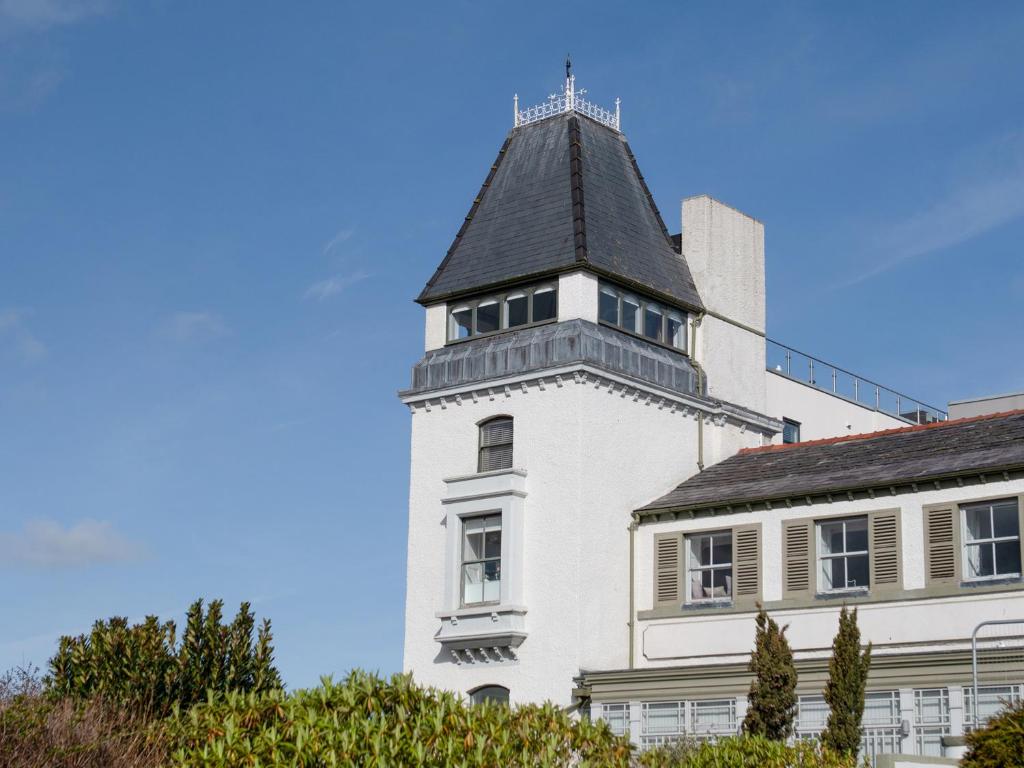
436,326
577,296
724,249
591,455
705,638
821,414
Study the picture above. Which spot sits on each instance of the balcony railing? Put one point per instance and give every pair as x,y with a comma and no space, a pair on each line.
837,381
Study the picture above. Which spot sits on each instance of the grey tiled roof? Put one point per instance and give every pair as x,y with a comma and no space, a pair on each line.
910,455
564,193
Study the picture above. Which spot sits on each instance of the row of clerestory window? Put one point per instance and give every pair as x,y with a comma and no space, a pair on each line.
503,311
641,316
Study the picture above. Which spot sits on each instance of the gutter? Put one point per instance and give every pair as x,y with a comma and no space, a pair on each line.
632,588
701,381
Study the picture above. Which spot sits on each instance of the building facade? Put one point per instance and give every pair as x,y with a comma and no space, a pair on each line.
579,362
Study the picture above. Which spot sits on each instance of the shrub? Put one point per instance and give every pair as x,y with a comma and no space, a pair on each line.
745,752
143,667
771,702
368,721
1000,743
844,691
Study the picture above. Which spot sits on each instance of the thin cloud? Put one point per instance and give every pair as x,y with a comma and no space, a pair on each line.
40,14
341,237
191,327
47,544
967,211
332,286
17,339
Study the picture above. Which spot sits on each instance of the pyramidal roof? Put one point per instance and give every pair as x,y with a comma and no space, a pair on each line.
564,193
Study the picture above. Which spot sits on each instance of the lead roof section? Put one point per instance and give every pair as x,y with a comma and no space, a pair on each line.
564,193
911,455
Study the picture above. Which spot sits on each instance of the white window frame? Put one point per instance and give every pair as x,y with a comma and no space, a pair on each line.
482,560
685,715
966,544
501,299
1001,692
616,715
844,554
928,727
692,569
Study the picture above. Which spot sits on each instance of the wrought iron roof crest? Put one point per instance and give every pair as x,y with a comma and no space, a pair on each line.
570,100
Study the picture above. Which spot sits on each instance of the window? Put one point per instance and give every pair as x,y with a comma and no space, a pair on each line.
663,722
709,566
790,431
641,316
843,554
931,720
882,722
991,540
495,445
617,717
481,560
992,699
499,312
494,694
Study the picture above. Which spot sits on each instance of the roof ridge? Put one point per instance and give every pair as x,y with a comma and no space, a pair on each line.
579,221
879,433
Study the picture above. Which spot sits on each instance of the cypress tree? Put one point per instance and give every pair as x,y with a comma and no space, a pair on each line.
844,692
771,701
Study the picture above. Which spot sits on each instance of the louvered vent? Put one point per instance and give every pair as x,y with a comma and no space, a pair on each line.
745,565
798,565
940,544
885,554
496,445
668,569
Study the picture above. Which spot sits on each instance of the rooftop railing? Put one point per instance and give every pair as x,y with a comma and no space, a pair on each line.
841,383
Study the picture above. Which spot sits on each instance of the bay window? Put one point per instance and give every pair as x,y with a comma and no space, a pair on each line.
481,560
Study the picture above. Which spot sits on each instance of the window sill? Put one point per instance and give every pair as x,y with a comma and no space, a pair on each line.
484,609
991,581
842,594
697,605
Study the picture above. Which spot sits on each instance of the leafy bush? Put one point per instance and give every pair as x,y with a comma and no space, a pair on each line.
143,667
368,721
745,752
1000,743
36,731
771,702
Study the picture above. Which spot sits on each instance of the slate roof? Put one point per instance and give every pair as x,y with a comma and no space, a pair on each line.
913,454
564,193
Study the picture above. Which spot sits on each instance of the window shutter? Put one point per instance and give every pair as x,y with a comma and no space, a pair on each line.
495,445
798,558
884,550
941,544
746,565
497,432
668,569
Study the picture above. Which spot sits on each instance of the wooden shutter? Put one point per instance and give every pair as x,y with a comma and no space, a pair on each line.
746,565
798,558
884,550
668,569
941,545
496,445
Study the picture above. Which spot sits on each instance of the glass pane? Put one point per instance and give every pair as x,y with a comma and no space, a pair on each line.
1006,521
472,583
698,551
652,323
722,584
462,322
722,549
608,306
630,313
1008,557
790,432
544,305
979,523
488,317
492,544
833,573
857,535
473,546
492,581
857,571
517,308
664,717
979,560
831,538
675,332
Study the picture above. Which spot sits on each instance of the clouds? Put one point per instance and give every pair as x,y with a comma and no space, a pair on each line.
47,544
332,286
17,340
192,327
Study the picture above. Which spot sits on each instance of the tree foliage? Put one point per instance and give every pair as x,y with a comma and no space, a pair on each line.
771,701
744,752
847,680
144,667
1000,743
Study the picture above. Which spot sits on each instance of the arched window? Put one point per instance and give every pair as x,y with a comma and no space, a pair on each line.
496,694
495,444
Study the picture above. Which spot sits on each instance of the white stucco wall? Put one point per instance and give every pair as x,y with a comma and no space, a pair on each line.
591,456
724,249
706,638
821,414
577,296
435,326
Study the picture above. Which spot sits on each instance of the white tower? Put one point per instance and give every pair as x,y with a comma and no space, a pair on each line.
558,393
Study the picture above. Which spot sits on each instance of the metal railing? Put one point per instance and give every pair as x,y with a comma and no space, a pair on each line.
842,383
570,100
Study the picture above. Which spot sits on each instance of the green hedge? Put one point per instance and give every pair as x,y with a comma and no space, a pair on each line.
1000,743
367,721
744,752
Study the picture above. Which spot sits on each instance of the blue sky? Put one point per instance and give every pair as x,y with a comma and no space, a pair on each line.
214,218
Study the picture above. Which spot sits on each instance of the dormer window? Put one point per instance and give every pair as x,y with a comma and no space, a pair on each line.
503,311
641,316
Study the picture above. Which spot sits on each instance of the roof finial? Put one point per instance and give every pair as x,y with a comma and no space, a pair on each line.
568,66
515,110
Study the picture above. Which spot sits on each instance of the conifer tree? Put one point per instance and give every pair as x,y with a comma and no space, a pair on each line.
771,702
844,692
